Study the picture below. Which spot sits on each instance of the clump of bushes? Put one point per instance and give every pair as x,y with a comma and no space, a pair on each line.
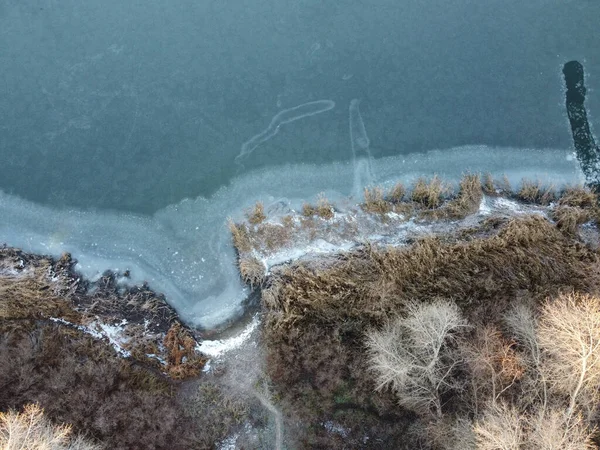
529,254
323,209
429,194
257,214
241,237
252,271
48,358
396,193
375,201
182,359
536,192
534,385
468,200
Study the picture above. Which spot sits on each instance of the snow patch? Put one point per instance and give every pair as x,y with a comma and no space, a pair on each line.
217,347
112,333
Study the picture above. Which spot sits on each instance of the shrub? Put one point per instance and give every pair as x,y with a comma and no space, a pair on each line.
536,192
240,236
182,359
81,381
487,184
568,218
396,193
579,197
324,208
252,271
468,199
257,214
374,201
569,335
429,194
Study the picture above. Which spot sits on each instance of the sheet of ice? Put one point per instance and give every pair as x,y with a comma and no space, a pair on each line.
185,250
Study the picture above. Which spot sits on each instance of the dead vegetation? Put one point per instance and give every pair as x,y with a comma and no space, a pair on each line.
487,184
465,203
375,201
323,208
217,410
241,236
51,356
536,192
257,214
396,193
182,359
318,314
529,254
429,194
30,429
252,270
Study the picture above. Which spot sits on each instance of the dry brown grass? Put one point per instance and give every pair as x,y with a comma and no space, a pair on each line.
526,254
536,192
579,197
252,271
504,186
29,295
396,193
375,202
429,194
241,236
308,210
466,202
324,208
487,184
182,359
257,214
269,236
288,221
568,218
218,410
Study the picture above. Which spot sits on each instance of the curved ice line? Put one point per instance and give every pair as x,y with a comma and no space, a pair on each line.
282,117
361,154
358,134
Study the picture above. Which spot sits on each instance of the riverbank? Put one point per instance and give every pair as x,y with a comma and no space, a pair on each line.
302,368
421,319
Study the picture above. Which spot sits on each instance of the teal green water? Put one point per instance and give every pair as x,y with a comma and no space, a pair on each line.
113,113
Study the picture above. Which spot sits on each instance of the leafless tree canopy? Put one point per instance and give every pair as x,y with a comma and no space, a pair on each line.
414,354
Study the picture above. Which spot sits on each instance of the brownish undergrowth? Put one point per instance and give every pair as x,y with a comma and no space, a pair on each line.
317,314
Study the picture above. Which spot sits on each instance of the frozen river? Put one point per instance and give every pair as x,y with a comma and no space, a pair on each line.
130,130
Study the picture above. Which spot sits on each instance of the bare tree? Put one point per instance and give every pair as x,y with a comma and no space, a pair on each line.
522,322
500,428
31,430
551,430
569,335
414,356
494,365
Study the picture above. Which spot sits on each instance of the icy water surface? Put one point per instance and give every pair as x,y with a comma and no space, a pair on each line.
130,130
